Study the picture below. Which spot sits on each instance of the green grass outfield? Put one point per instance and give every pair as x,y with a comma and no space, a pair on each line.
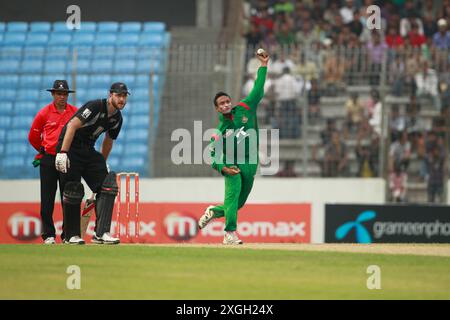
177,272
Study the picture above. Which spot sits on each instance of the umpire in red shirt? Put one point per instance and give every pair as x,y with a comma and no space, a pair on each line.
43,136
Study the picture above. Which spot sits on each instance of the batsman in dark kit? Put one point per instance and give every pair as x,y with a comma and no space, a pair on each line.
77,158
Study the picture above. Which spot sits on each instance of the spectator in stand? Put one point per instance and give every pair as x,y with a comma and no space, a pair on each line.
414,125
387,10
425,148
344,37
337,28
355,25
431,9
368,158
355,113
285,36
325,135
314,101
398,180
253,37
396,75
397,123
377,50
330,12
446,13
306,68
400,153
270,42
371,101
333,73
441,123
287,91
280,62
427,84
409,9
283,18
429,27
441,39
335,162
288,170
346,12
263,21
415,38
261,5
324,30
393,39
435,165
444,86
374,110
412,68
407,22
301,17
317,55
306,36
317,10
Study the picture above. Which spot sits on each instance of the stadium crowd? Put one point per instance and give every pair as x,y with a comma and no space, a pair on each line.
320,47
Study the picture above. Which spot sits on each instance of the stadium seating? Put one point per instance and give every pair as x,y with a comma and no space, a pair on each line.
41,27
33,55
9,81
61,27
17,26
6,109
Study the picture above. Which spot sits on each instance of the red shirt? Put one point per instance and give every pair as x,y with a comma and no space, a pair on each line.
417,39
394,41
266,23
47,126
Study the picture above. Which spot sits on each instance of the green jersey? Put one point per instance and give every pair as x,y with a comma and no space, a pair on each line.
239,129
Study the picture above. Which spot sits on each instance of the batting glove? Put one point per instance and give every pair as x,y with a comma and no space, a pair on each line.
62,162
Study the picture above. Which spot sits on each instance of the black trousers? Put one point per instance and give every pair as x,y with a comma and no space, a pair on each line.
86,163
49,177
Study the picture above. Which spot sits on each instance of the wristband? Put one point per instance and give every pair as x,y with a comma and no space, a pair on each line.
63,151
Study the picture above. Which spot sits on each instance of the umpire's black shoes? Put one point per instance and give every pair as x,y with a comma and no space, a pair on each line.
74,240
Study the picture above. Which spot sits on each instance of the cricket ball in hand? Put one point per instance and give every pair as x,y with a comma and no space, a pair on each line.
261,52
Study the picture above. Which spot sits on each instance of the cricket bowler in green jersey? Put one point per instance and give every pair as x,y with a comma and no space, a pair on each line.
234,152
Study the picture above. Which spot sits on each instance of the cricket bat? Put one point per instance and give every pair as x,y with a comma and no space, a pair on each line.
86,215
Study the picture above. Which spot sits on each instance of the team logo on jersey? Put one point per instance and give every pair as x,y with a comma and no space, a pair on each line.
86,113
244,119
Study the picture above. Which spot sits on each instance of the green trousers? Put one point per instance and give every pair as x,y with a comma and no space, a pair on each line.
237,190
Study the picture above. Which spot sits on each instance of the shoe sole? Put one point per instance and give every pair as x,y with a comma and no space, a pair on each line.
97,241
212,218
111,242
232,243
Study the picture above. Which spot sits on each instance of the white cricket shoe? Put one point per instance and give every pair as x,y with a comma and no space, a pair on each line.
105,239
96,239
50,240
231,238
74,240
206,217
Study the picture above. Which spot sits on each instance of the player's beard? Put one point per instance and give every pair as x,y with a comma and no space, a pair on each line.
116,105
